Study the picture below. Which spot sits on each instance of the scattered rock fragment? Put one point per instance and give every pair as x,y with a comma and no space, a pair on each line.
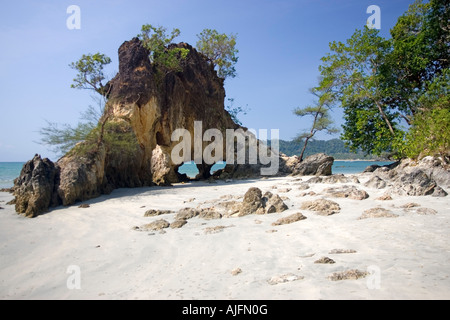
321,206
384,197
289,219
209,213
187,213
84,205
421,211
284,278
216,229
350,192
325,260
178,224
339,251
352,274
153,212
155,225
236,271
377,213
410,205
375,183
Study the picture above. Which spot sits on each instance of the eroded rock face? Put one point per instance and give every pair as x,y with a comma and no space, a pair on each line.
150,104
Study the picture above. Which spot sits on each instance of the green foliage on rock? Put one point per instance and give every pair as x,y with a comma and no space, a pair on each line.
157,41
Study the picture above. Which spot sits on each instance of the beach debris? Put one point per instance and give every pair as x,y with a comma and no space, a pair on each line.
271,231
352,274
375,183
350,192
322,207
178,224
289,219
155,225
1,208
377,212
153,212
190,200
236,271
340,251
325,260
289,277
84,205
187,213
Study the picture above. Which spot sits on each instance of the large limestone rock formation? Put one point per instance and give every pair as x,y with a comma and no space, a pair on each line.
150,104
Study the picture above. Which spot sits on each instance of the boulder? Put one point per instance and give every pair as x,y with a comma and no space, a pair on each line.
35,188
252,202
318,164
273,203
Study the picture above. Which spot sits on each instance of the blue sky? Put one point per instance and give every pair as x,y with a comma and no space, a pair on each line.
280,45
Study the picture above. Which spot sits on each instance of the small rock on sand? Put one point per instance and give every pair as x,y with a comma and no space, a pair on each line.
321,206
236,271
156,225
352,274
339,251
325,260
284,278
289,219
153,212
84,205
178,224
377,213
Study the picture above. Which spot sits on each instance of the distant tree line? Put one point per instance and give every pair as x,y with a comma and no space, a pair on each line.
334,147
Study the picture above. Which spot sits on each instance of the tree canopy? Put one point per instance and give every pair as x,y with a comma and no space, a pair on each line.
221,51
386,85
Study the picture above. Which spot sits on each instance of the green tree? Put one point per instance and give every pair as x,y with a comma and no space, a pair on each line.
96,127
157,41
321,119
90,72
220,49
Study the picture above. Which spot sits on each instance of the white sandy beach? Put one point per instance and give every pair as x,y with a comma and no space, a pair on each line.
408,256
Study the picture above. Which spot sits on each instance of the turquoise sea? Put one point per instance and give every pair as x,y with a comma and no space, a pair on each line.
11,170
